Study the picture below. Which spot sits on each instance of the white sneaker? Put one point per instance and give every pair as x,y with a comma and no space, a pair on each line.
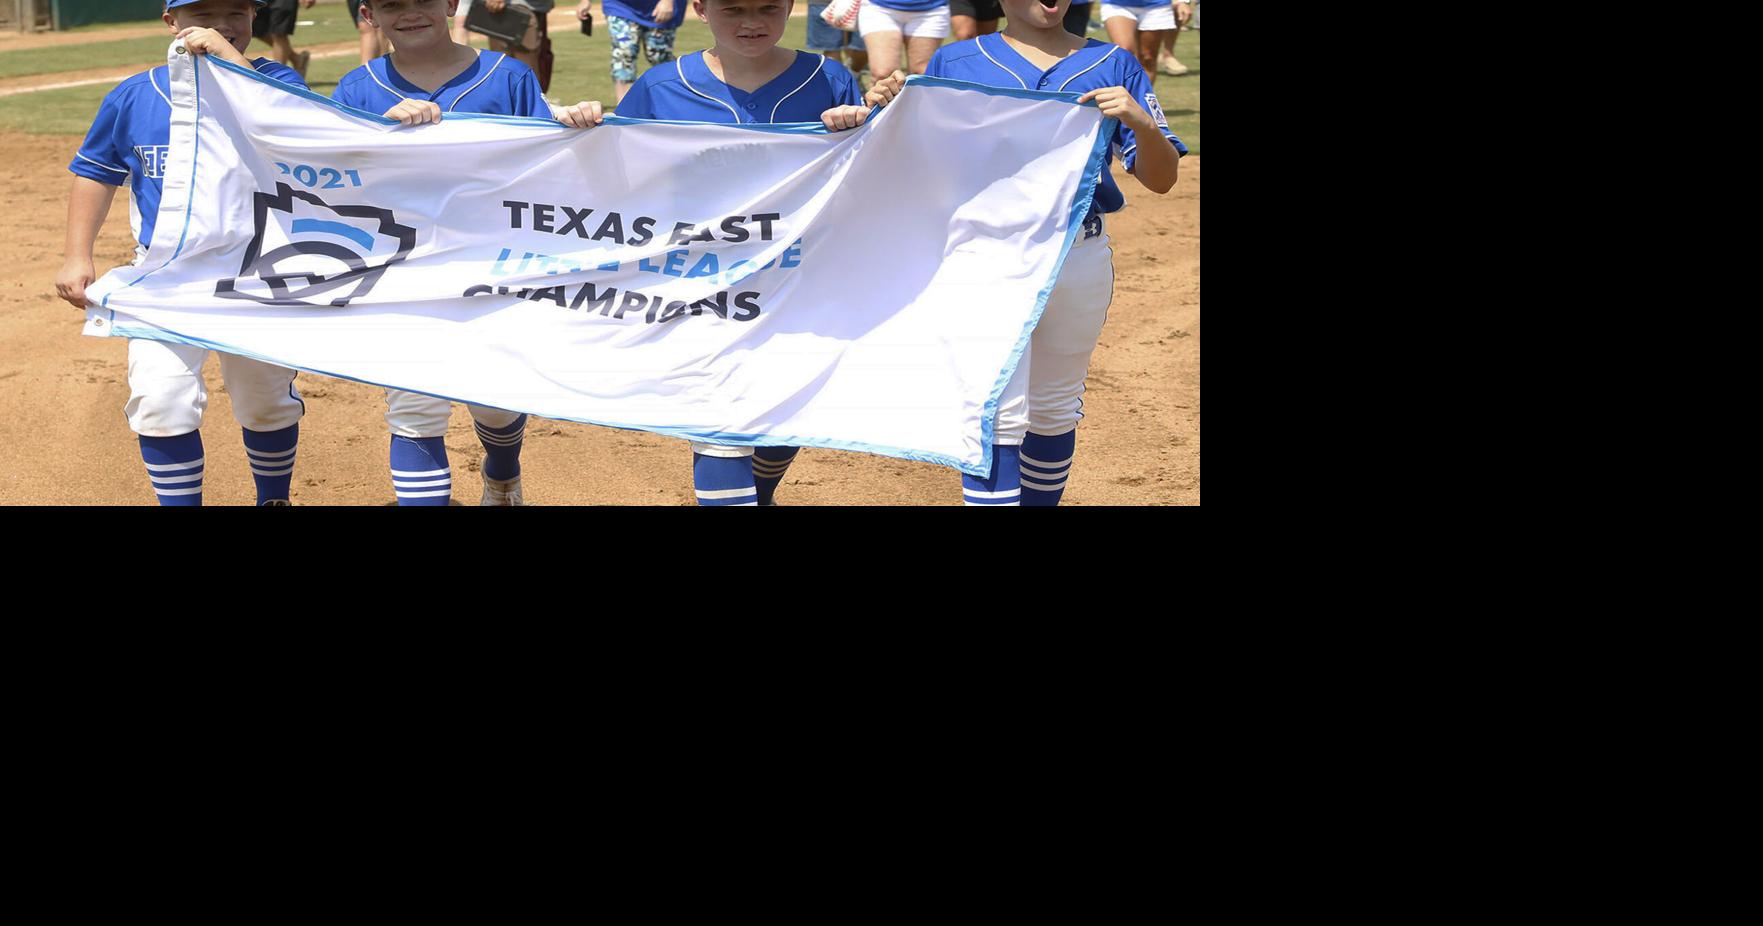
499,493
1166,64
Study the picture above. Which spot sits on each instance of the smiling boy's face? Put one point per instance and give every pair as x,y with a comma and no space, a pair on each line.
1038,13
230,18
414,25
745,27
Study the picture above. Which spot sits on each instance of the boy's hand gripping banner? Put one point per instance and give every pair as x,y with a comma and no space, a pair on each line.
868,290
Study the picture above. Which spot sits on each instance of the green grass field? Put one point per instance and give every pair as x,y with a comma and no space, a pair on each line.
580,73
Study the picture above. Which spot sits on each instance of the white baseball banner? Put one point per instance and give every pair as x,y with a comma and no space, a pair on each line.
868,290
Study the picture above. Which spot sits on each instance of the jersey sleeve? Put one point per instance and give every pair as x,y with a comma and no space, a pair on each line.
1125,140
99,157
935,67
279,71
527,98
345,92
846,90
638,102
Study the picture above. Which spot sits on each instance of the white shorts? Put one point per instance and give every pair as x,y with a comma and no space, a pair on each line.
922,24
1046,394
167,395
1159,18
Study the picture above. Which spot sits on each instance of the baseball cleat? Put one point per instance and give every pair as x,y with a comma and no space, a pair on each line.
277,503
502,493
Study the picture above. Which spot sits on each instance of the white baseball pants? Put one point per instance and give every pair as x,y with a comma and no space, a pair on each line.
411,414
167,396
1046,394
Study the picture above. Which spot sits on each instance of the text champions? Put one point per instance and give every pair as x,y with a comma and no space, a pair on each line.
609,301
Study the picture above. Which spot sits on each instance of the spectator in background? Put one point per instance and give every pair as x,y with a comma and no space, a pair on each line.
274,25
841,45
970,18
461,35
1166,63
534,49
918,26
650,23
372,43
1138,26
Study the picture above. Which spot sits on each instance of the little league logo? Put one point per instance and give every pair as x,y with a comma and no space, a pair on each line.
1156,110
308,252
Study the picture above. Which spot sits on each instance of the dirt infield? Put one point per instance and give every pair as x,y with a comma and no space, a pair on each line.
63,440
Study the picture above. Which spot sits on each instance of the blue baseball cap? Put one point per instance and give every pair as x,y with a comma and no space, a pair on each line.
174,4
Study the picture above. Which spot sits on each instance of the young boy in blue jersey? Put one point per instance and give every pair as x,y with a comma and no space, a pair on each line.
1035,439
128,143
426,75
744,77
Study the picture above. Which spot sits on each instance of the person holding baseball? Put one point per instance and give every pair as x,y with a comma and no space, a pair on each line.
892,28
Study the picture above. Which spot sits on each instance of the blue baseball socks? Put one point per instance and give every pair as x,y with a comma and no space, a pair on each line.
174,464
769,466
272,461
722,481
1046,464
501,467
420,472
1003,486
501,448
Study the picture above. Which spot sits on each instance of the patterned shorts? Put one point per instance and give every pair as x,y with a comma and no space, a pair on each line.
657,47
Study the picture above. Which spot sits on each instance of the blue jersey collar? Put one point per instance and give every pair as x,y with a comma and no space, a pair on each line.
761,104
1004,56
404,87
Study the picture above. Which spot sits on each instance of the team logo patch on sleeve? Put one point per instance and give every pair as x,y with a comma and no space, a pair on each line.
1155,109
308,252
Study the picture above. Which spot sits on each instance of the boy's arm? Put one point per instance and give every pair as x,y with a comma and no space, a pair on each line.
87,205
1155,159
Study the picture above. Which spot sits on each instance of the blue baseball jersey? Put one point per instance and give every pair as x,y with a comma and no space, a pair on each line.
990,60
1138,4
131,136
688,92
642,12
494,83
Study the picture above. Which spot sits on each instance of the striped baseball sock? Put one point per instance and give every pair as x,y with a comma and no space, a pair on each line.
174,464
272,460
769,466
723,481
502,448
420,473
1003,486
1046,464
